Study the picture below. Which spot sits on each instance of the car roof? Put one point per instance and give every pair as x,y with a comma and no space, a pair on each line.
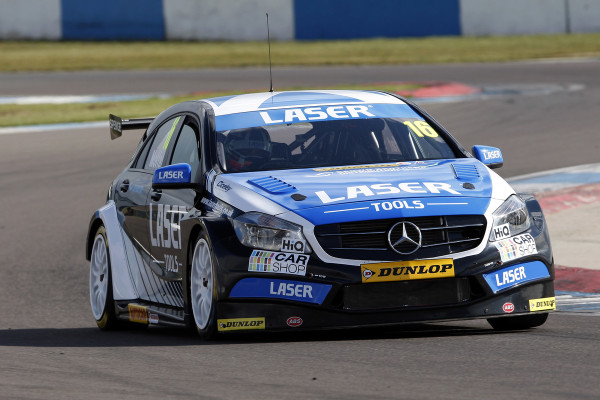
300,98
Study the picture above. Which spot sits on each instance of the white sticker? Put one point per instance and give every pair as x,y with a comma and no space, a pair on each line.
152,318
278,263
516,247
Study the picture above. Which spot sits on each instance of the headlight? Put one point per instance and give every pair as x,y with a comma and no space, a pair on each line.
264,231
510,219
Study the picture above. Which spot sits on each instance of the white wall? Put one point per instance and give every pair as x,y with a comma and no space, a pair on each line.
30,19
228,19
584,15
513,17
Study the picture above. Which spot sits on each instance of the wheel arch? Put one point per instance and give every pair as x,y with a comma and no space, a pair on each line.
122,283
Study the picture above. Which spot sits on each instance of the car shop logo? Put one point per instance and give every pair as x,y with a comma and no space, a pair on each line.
294,322
508,307
404,237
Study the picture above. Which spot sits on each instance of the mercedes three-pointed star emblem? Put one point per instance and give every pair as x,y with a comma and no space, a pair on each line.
404,237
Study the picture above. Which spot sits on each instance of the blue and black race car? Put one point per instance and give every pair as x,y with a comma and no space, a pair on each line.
313,210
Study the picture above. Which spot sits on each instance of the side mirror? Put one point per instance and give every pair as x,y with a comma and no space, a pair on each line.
490,156
176,176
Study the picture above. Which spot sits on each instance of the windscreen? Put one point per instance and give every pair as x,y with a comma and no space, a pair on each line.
330,143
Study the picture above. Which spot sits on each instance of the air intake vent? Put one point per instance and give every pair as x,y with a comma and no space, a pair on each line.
466,172
273,185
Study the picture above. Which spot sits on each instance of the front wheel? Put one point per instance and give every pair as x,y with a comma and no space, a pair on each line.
518,322
203,289
101,297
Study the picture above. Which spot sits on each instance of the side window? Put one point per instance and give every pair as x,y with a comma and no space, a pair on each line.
161,144
186,148
140,161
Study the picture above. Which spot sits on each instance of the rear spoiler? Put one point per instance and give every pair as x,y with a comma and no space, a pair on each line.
118,125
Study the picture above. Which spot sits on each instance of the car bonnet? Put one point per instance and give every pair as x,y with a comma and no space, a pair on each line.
355,192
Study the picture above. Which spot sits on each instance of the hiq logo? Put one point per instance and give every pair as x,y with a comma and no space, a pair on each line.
294,246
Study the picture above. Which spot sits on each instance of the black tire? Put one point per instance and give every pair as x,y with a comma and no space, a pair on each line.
203,288
518,322
101,293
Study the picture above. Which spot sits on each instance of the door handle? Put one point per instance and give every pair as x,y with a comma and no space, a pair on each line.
156,194
125,185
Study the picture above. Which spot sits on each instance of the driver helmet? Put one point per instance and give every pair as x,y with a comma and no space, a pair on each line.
247,149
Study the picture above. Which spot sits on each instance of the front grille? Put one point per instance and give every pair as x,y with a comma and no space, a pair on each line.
368,240
422,293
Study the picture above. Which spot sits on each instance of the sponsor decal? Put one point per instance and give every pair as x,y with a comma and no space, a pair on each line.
294,322
491,155
407,270
217,207
516,247
176,173
353,192
171,264
278,263
152,318
164,225
291,115
294,246
508,307
223,186
501,231
547,303
516,274
306,292
137,313
397,205
240,324
369,166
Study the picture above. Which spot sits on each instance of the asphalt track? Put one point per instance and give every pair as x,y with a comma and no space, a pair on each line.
51,182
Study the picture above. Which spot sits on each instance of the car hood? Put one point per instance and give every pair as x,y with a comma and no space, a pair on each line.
391,190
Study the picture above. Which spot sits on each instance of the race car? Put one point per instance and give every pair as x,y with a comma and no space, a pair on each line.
307,210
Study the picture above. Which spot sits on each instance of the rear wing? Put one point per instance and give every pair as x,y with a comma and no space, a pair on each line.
118,125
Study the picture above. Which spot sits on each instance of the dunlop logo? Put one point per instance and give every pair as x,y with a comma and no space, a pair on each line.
547,303
137,313
238,324
407,270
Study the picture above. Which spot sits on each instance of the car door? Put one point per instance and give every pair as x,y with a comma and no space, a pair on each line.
134,193
167,207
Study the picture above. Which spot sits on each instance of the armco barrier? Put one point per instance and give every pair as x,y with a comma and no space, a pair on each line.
290,19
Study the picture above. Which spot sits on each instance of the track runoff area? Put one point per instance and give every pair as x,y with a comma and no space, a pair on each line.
567,195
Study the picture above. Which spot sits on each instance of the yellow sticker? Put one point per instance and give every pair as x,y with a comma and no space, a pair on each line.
547,303
407,270
137,313
238,324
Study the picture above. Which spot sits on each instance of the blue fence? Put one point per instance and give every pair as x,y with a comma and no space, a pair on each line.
349,19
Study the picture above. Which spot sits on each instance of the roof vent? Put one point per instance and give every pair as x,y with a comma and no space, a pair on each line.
466,172
273,185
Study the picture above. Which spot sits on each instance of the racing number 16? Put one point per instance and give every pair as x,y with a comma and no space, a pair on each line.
421,128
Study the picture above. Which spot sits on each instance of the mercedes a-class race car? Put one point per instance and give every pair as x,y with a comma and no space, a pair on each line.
313,210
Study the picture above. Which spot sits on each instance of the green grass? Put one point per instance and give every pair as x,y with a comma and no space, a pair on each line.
21,56
68,56
16,115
